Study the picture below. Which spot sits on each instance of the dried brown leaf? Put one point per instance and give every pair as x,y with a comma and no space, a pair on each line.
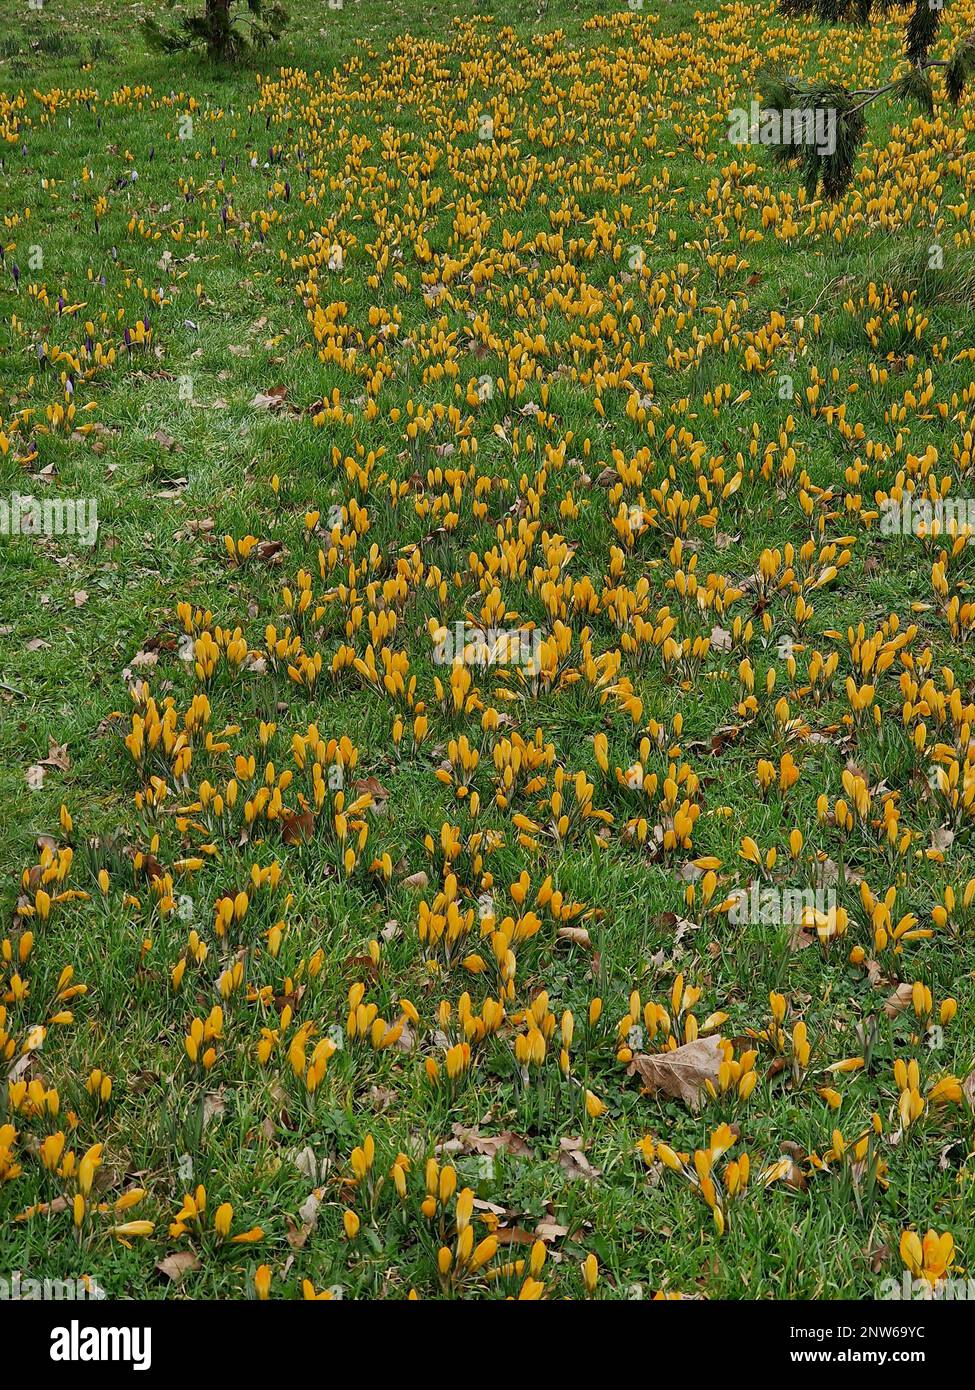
681,1074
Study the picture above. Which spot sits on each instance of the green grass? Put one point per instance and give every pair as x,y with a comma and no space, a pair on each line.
164,461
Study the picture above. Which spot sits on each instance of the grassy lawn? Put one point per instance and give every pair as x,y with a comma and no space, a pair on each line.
435,320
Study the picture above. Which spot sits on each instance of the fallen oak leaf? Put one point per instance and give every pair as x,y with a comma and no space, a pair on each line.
270,400
151,867
372,787
35,777
382,1097
59,1204
492,1207
214,1107
874,973
296,828
682,1073
799,939
968,1089
175,487
550,1231
309,1165
680,925
270,550
488,1145
573,1160
942,838
57,756
176,1266
358,963
20,1066
514,1235
577,935
900,1000
296,1237
142,661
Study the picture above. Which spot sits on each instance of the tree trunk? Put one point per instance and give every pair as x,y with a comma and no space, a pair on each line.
220,34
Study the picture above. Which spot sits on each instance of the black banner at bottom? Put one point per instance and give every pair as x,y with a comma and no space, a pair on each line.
168,1337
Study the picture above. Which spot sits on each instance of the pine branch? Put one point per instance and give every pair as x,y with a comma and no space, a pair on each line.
836,169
